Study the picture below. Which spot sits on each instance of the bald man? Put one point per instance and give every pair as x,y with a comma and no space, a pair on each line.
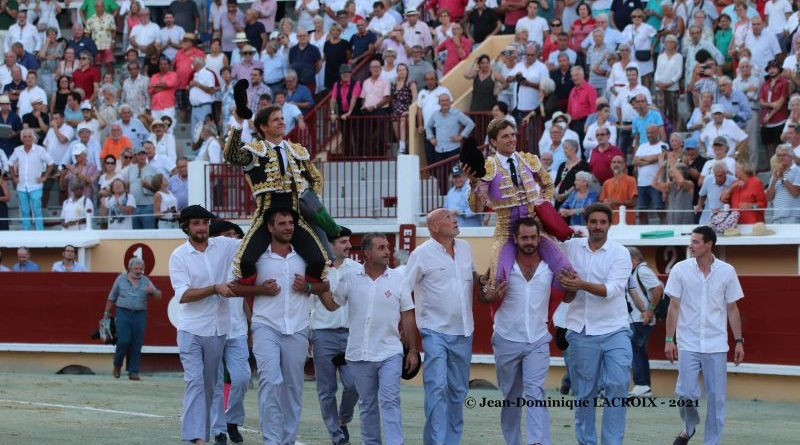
441,272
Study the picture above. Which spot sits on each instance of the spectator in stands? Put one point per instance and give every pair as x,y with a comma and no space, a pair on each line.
693,46
746,194
267,9
93,122
58,100
445,28
21,31
528,74
275,65
418,67
76,208
119,206
639,35
566,170
381,23
701,116
127,160
579,197
625,111
139,176
108,175
415,31
135,91
337,52
257,88
720,126
349,28
428,104
77,164
618,76
103,29
186,72
7,70
446,129
24,262
298,94
784,188
763,46
403,94
236,56
597,61
31,92
709,201
482,22
364,40
132,127
24,58
582,27
8,117
3,268
292,116
646,161
186,15
457,47
146,35
772,100
179,182
513,11
562,46
16,84
393,52
254,30
37,118
58,138
674,182
669,68
129,294
645,116
456,200
164,144
535,25
720,148
165,204
116,143
243,68
581,101
305,59
600,161
31,165
620,190
162,90
485,84
159,162
602,119
201,91
554,146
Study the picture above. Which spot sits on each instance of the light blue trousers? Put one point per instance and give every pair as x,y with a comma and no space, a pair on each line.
715,377
445,376
31,202
521,373
237,361
378,385
600,359
200,357
281,359
328,343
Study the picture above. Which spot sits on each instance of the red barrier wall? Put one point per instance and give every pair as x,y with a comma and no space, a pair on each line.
65,308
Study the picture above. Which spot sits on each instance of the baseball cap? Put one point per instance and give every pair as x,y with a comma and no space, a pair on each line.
345,68
720,140
456,171
86,105
690,143
274,35
717,108
5,100
83,126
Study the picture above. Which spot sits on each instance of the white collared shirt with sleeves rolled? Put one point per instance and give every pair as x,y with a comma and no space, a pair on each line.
30,166
609,265
703,316
442,287
191,269
322,318
373,309
289,312
522,316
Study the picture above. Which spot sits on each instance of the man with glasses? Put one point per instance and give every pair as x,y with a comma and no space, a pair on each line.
87,77
116,142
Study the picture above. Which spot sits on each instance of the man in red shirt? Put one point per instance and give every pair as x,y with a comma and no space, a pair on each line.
581,102
183,67
600,160
162,88
87,77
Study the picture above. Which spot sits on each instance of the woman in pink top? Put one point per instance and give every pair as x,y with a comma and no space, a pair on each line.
582,27
458,48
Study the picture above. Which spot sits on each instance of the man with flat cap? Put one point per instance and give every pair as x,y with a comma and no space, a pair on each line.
198,271
236,355
329,331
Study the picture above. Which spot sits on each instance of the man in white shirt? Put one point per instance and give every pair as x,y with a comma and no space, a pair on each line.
719,150
428,105
440,272
528,74
201,90
144,34
198,271
777,11
521,341
31,165
535,25
32,91
171,36
58,137
76,207
598,329
329,340
415,31
236,354
280,327
22,31
381,23
6,69
646,161
764,46
83,141
626,113
377,303
703,292
720,126
292,115
644,293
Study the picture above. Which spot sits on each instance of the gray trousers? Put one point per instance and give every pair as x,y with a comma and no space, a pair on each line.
378,386
200,357
237,360
281,359
328,343
521,373
714,367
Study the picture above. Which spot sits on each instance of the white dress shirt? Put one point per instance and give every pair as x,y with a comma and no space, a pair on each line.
26,97
27,35
522,316
30,165
165,147
442,287
669,69
623,101
428,100
764,48
729,130
238,326
197,96
76,210
191,269
322,318
703,316
373,311
145,35
527,97
169,36
56,149
289,312
609,265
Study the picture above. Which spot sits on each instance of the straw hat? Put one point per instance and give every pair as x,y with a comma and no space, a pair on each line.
731,231
760,229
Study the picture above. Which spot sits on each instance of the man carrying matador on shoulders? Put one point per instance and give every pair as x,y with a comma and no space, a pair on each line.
281,176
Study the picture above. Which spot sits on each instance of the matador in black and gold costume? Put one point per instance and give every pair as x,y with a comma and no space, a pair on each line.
278,175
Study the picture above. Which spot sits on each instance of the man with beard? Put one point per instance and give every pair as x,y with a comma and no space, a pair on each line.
521,342
198,270
598,329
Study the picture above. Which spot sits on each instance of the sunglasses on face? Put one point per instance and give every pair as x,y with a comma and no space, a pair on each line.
111,163
127,157
556,25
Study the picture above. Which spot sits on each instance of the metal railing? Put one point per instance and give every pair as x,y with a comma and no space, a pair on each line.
230,196
435,183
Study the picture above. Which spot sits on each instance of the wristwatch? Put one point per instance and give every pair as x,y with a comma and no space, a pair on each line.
739,340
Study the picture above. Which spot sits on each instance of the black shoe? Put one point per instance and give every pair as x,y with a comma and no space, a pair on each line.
564,390
221,439
345,432
233,433
680,440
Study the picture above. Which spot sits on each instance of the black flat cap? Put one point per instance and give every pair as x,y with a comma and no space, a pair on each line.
220,226
195,212
343,231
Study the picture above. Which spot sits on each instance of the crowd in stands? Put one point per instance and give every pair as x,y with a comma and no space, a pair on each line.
664,94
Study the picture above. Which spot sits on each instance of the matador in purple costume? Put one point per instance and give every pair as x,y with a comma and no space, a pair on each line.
516,186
